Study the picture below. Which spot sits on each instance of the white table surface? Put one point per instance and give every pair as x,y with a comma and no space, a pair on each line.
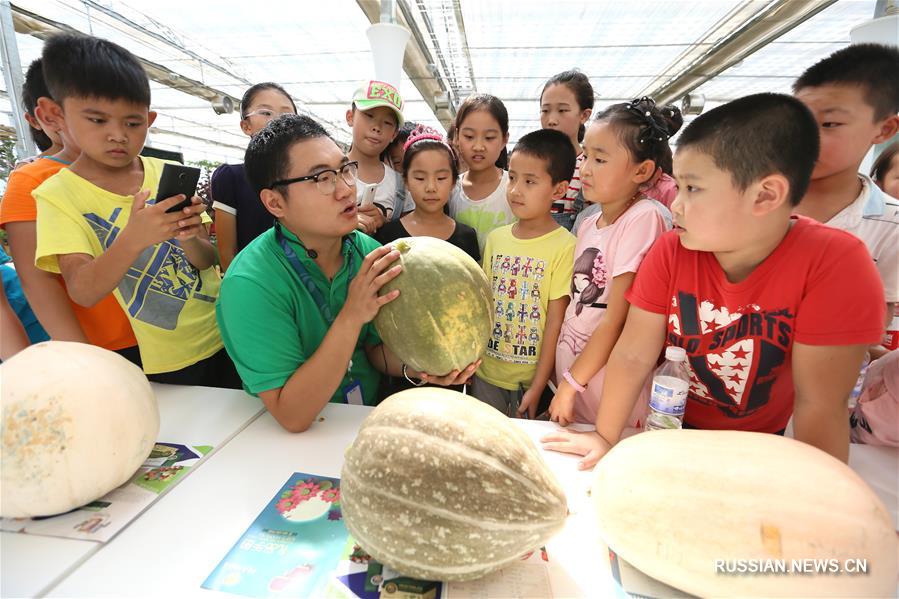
31,564
196,524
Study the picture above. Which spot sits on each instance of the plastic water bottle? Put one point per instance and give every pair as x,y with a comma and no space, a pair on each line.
860,382
670,385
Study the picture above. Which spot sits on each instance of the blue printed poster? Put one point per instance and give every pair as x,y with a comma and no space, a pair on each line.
292,548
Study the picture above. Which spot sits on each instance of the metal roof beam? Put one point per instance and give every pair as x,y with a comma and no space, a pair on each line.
735,37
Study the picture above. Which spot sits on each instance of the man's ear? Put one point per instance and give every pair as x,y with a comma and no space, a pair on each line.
48,112
770,193
274,202
151,118
349,117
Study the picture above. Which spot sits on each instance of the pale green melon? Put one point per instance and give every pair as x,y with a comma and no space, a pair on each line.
440,486
443,317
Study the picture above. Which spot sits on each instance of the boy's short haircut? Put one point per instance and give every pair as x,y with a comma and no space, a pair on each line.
33,88
554,148
268,154
757,136
81,66
873,67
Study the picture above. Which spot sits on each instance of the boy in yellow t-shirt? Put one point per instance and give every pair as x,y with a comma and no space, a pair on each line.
100,226
530,265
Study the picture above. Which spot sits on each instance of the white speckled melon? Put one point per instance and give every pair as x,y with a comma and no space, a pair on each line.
673,502
440,486
443,317
77,422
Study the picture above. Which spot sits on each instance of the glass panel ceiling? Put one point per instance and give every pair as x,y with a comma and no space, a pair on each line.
319,51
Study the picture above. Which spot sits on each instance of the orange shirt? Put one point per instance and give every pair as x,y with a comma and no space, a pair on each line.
104,324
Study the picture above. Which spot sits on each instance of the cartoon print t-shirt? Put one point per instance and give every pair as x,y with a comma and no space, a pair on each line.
170,303
600,256
818,287
525,275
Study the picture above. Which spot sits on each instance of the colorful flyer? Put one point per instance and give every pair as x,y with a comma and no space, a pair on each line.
100,520
292,548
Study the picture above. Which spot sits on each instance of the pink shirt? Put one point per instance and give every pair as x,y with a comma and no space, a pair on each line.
663,189
601,255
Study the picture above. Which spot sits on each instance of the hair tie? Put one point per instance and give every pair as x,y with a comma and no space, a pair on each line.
421,133
653,130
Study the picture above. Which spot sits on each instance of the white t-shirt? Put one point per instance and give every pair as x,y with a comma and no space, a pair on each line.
874,218
383,193
482,215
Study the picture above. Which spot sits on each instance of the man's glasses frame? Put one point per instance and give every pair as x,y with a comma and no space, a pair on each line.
326,185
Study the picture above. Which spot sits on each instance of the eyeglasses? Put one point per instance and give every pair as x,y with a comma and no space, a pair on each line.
266,114
326,180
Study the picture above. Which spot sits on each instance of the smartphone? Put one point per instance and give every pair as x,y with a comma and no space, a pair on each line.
178,179
368,195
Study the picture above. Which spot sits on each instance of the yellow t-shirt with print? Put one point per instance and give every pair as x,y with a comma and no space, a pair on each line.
170,303
525,274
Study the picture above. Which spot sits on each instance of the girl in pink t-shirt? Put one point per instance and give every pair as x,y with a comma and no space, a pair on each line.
623,147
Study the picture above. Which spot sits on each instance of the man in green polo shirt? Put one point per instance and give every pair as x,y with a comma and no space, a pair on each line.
296,304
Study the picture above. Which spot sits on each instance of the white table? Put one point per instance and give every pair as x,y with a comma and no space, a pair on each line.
31,564
196,524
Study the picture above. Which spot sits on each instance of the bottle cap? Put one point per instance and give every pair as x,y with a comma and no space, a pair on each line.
675,354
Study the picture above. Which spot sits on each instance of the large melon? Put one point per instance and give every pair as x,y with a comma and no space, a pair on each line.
674,502
77,422
443,317
440,486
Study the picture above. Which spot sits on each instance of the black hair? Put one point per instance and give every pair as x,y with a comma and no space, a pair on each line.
882,164
757,136
402,135
424,145
873,67
497,110
554,148
90,67
267,158
33,88
644,129
250,95
579,84
675,120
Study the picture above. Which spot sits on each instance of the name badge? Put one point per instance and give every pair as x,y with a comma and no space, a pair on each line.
353,393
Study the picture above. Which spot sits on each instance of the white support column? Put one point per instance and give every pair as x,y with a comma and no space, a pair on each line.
12,74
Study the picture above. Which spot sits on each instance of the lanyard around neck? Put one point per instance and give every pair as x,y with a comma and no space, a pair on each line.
323,307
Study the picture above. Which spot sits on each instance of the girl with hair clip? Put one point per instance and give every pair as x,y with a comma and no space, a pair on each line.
661,187
479,198
566,104
430,173
623,146
240,216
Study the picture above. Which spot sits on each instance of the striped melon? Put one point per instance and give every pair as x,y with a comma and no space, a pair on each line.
674,502
440,486
77,422
442,319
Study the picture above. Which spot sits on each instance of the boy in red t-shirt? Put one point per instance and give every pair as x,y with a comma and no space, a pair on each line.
775,312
